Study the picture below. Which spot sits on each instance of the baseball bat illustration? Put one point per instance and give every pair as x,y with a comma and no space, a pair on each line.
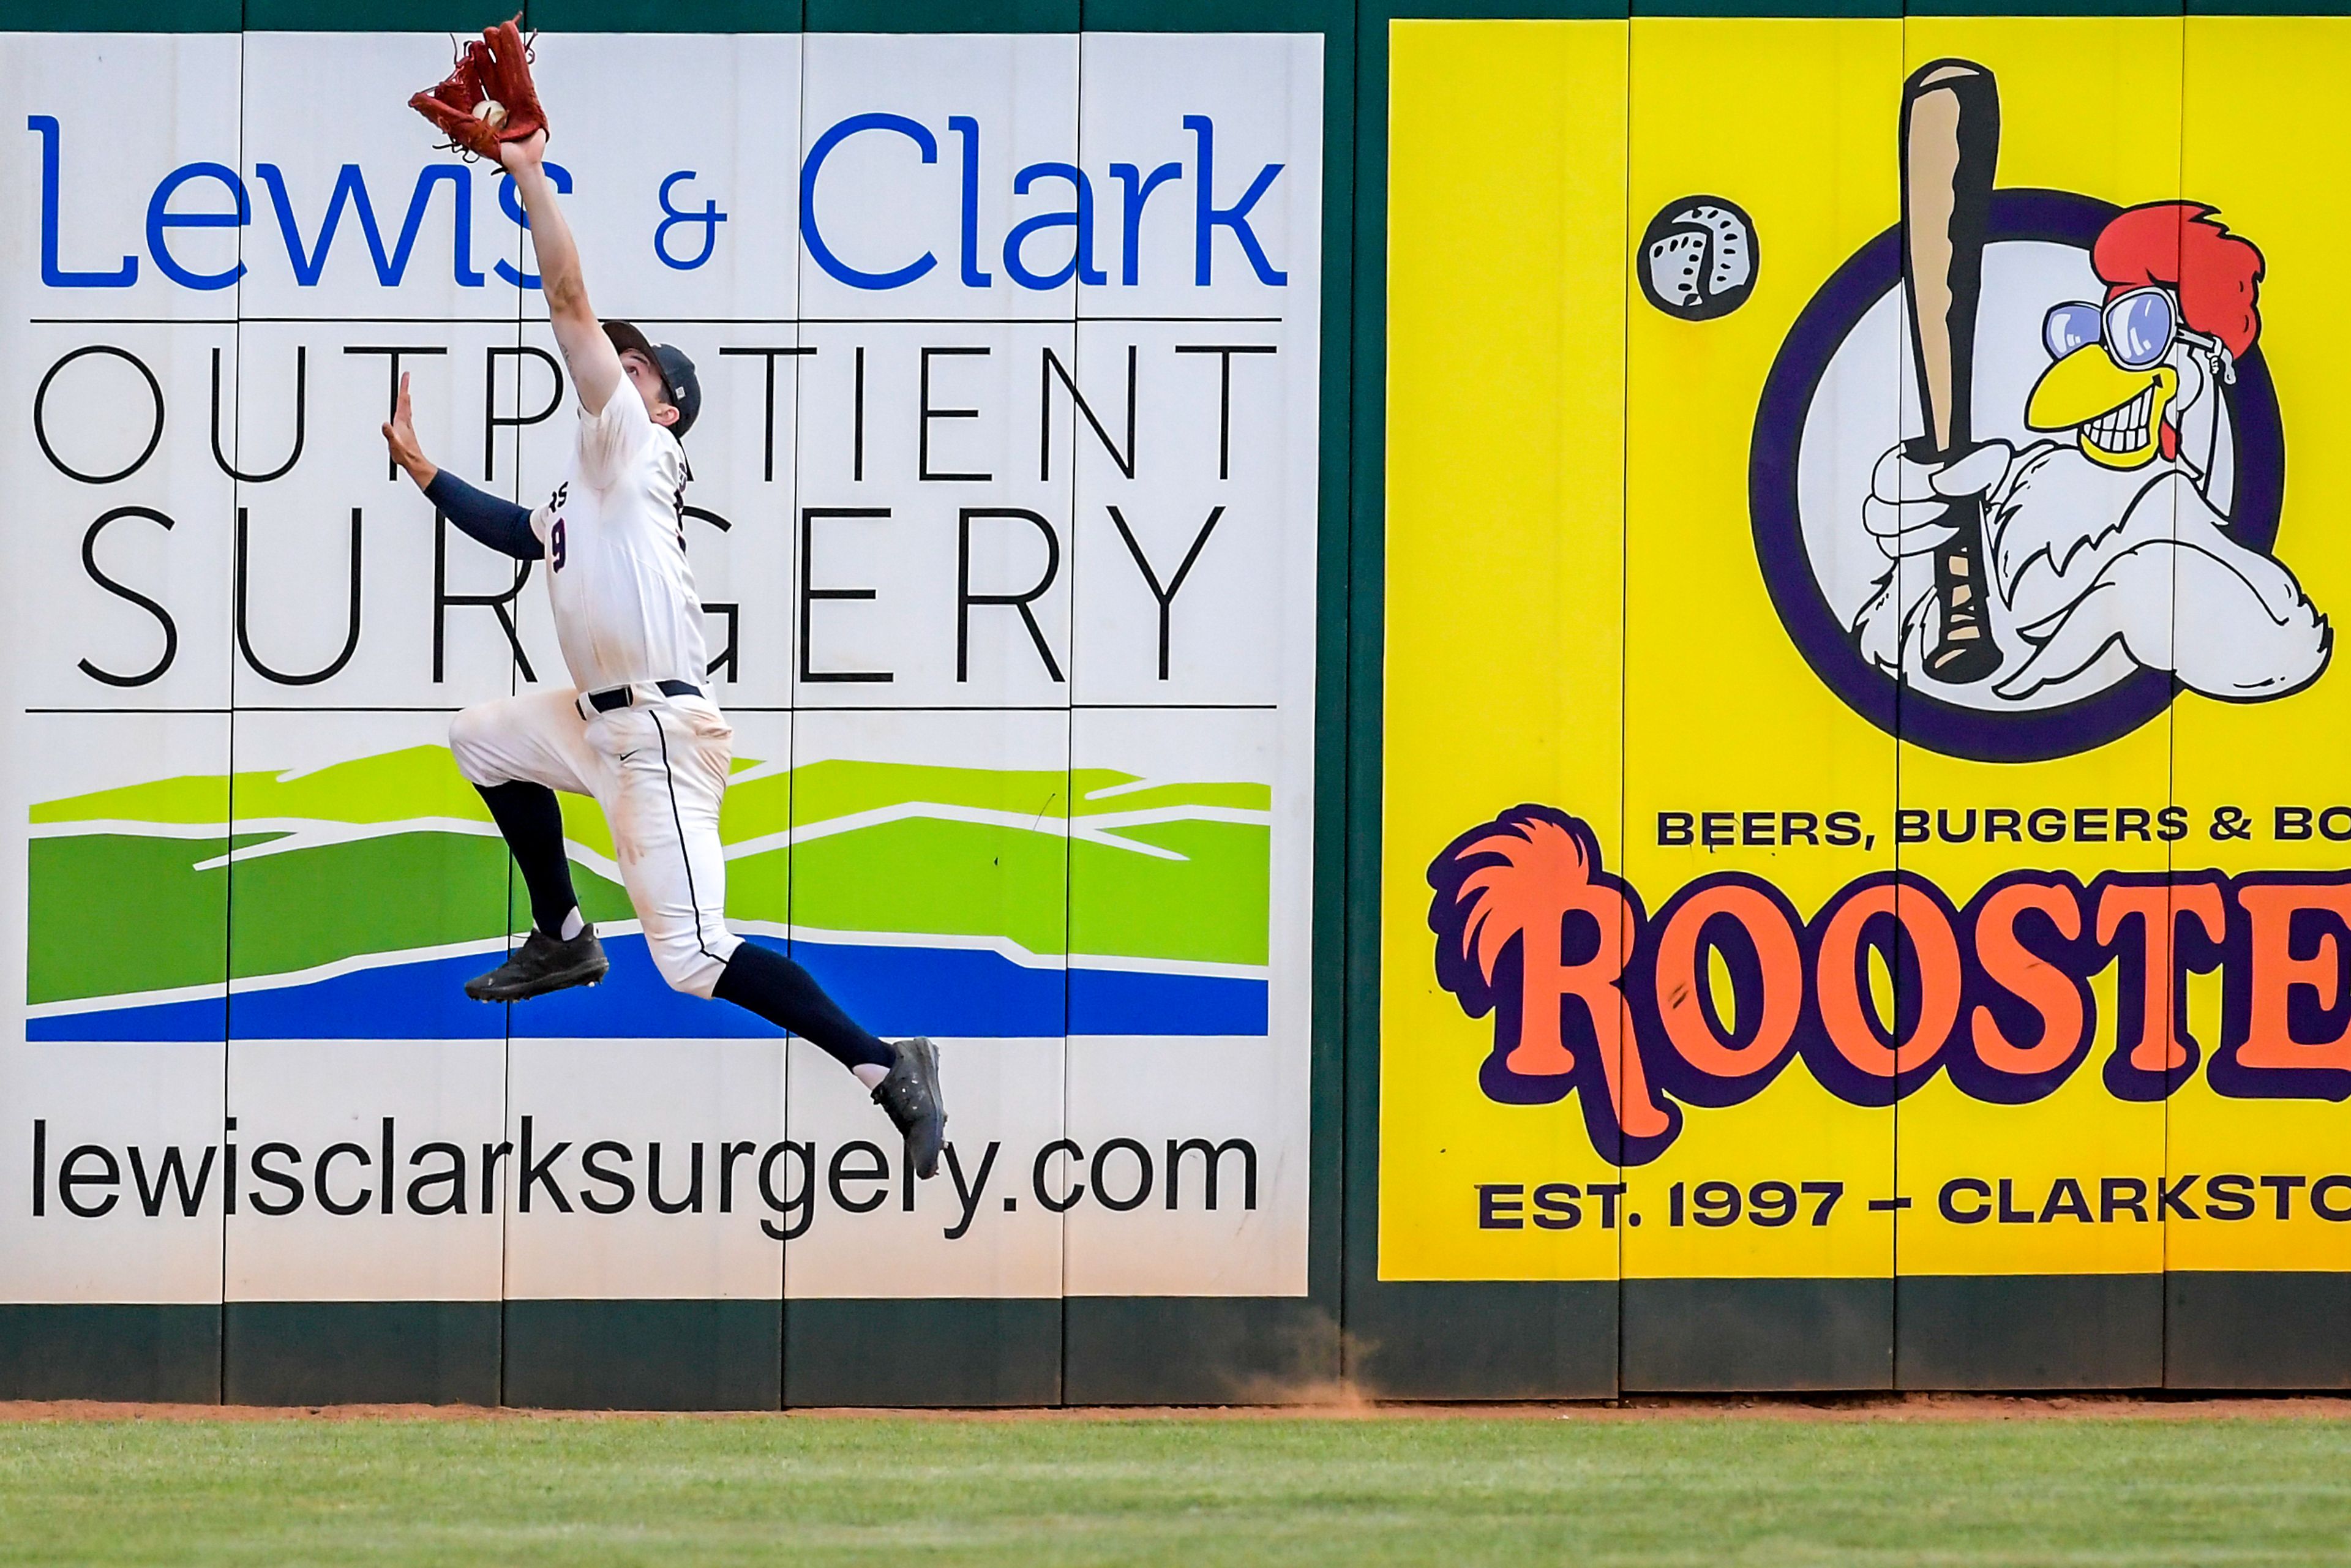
1950,139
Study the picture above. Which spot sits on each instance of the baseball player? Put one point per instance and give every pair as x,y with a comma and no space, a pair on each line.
637,729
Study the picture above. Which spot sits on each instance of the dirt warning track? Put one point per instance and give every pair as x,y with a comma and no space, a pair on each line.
1334,1405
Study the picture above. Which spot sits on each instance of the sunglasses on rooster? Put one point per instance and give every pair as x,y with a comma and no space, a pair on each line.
2138,330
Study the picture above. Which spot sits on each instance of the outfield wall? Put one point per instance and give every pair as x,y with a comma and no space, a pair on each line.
1299,587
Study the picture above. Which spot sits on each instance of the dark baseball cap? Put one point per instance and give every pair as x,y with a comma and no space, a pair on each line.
684,387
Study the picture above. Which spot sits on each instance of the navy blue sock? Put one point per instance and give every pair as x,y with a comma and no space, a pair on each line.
787,996
532,821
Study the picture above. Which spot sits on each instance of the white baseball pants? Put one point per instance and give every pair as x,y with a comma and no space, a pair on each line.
658,768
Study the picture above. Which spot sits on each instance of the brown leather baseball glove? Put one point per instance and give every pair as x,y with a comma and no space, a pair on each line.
487,97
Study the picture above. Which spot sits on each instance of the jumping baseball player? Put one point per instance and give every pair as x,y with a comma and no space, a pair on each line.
637,730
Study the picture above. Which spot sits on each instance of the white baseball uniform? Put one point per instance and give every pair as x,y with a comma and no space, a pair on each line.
628,618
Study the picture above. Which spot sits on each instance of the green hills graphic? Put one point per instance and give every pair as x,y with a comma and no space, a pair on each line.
393,853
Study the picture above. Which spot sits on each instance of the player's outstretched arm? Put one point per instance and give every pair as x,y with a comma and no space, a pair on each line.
499,524
595,363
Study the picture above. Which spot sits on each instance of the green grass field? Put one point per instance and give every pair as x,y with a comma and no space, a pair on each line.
1532,1489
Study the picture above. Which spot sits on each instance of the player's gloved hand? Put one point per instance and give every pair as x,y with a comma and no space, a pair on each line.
1907,496
487,100
507,80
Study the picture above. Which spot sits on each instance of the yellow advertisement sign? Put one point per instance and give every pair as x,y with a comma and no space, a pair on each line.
1866,786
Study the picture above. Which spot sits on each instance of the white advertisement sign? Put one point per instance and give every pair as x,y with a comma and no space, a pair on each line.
1003,514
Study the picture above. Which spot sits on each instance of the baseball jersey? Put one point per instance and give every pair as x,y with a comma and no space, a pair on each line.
614,533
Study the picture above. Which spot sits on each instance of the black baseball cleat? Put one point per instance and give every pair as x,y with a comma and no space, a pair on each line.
911,1096
542,964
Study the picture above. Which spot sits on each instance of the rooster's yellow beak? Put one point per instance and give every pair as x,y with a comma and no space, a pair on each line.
2115,414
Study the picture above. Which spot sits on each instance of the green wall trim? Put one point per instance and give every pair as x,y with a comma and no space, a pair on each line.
1366,586
2028,1330
1772,8
645,1355
1492,11
150,1353
932,1350
943,16
1335,675
2048,8
1491,1341
1740,1336
2257,1330
366,16
663,16
2188,1331
1336,19
360,1352
1196,1349
130,17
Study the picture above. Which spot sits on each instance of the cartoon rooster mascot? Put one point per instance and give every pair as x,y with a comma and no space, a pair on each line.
2109,545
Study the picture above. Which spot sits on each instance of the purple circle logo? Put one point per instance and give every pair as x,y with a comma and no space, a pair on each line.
2015,533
